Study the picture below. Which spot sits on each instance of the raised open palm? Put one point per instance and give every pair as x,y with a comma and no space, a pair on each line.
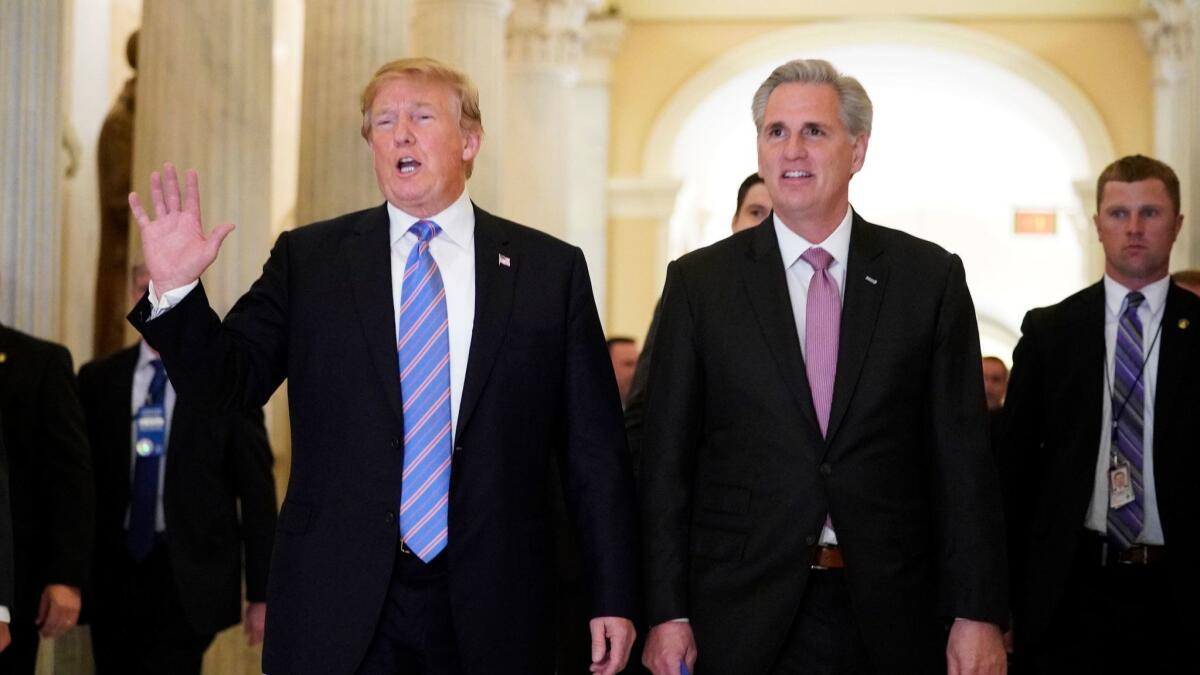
173,243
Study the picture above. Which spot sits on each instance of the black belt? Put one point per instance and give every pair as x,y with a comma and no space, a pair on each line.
1106,552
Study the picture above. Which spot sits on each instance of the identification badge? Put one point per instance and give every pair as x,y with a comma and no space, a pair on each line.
1120,486
150,428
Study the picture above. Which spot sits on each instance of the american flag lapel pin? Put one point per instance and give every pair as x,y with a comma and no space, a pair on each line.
505,260
872,280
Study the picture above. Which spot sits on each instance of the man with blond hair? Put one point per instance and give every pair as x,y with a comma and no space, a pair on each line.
818,493
439,358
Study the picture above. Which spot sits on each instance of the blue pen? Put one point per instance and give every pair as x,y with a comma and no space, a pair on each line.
683,668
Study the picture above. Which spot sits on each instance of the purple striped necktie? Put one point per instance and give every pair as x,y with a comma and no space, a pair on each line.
822,327
1128,406
822,324
424,349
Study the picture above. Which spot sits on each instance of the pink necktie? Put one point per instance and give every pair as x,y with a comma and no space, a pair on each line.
821,329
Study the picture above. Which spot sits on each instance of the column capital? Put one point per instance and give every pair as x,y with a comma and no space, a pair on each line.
637,198
602,37
500,7
1168,27
548,33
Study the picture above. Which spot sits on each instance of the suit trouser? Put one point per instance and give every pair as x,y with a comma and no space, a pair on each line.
1112,618
21,656
415,633
824,638
145,630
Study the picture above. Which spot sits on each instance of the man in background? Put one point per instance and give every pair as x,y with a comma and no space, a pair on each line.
1101,432
995,381
183,497
624,354
50,492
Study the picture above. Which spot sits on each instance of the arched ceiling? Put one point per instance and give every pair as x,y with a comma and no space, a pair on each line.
684,10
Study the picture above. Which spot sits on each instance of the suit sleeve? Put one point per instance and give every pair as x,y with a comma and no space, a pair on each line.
255,485
70,494
596,475
674,418
232,365
971,548
1022,437
6,532
635,407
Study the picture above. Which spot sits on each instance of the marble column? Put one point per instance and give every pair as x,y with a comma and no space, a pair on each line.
640,219
32,58
344,43
545,49
469,34
204,102
588,139
1170,36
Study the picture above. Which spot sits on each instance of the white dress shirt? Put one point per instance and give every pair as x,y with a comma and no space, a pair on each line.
800,273
143,373
454,252
1150,312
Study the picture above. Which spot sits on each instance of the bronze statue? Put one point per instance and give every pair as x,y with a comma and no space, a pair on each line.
115,169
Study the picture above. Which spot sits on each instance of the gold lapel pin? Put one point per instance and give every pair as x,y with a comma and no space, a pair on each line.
3,357
1183,324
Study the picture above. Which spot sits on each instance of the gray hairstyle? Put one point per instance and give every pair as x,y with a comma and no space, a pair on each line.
855,109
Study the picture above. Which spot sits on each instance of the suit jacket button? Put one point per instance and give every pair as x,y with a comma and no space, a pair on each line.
826,469
389,518
810,539
395,442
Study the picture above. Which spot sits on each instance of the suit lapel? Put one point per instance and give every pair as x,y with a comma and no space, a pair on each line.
866,281
368,261
1092,362
1177,324
766,284
493,304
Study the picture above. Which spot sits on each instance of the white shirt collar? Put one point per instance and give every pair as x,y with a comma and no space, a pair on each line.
457,222
1155,293
145,355
792,245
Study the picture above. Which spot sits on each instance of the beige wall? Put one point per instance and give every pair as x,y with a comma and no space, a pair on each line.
1105,58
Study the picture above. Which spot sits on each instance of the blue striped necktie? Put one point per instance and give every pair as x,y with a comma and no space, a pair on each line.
1128,406
424,348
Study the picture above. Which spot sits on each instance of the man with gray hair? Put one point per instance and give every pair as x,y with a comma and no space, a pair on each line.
818,490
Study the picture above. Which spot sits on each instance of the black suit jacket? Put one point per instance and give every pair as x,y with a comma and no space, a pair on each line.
6,542
215,463
49,469
736,479
538,382
1053,423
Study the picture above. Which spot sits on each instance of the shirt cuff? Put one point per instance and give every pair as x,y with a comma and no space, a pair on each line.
4,615
168,299
682,620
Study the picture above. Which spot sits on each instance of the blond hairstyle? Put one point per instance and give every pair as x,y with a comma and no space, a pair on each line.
855,110
470,119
